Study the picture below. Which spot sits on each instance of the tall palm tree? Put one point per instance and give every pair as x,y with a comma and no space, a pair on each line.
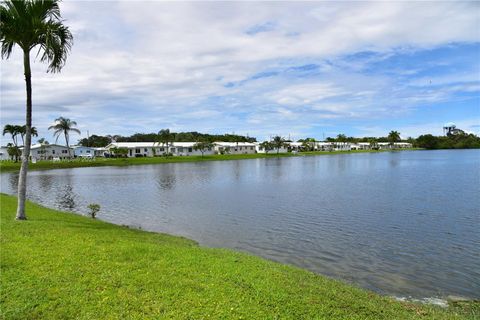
393,136
23,130
30,24
64,126
13,131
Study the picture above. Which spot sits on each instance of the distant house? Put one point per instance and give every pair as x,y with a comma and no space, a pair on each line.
235,147
152,149
323,146
49,151
4,153
83,152
88,152
260,149
361,146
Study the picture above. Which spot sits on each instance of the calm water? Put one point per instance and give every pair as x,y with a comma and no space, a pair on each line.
403,224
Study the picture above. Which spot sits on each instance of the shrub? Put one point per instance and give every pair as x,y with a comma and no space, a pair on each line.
94,208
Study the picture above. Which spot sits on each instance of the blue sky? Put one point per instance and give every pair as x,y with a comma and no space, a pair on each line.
294,69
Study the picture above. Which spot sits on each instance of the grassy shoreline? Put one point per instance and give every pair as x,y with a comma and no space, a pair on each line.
60,265
6,166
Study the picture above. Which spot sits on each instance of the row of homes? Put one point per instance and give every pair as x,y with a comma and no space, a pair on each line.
152,149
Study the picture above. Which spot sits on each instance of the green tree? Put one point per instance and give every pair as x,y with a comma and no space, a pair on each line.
393,136
42,141
166,138
14,152
267,146
119,152
30,24
203,146
13,130
278,143
23,131
64,126
373,143
341,138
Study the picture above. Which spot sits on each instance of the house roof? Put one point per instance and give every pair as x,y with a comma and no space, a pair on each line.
149,144
39,145
234,144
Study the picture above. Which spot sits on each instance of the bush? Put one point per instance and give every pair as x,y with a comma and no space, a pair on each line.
94,208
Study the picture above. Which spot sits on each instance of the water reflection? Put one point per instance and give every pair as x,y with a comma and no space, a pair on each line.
66,198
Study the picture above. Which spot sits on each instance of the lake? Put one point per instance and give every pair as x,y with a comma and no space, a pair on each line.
405,223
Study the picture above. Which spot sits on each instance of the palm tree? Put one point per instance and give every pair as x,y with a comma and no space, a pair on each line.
393,136
23,130
64,126
165,137
13,131
278,142
267,146
30,24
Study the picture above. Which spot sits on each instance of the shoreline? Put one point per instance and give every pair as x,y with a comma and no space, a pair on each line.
81,248
9,166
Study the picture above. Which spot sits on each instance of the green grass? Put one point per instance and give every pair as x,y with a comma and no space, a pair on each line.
98,162
60,266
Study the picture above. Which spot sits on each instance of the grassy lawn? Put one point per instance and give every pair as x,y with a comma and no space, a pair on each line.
98,162
60,265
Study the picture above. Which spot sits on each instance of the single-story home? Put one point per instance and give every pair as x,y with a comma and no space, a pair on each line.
41,151
235,147
260,149
88,152
152,149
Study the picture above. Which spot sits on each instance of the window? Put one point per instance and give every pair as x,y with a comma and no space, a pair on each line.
137,150
88,151
190,149
64,151
162,149
53,151
251,148
145,149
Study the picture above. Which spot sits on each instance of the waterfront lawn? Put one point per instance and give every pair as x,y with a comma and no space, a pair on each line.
61,265
6,166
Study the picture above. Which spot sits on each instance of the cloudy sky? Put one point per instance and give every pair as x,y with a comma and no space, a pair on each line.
295,69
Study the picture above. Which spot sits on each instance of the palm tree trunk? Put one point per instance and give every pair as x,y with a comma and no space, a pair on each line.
68,148
22,179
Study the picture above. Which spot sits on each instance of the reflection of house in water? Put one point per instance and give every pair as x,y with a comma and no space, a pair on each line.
450,129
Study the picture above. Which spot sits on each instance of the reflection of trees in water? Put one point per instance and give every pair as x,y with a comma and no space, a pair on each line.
45,182
166,182
13,182
66,198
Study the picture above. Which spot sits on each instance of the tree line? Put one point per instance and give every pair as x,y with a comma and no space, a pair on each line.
163,136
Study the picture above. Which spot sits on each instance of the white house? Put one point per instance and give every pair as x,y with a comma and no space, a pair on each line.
360,146
260,149
83,152
4,153
323,146
235,147
402,145
88,152
152,149
49,151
